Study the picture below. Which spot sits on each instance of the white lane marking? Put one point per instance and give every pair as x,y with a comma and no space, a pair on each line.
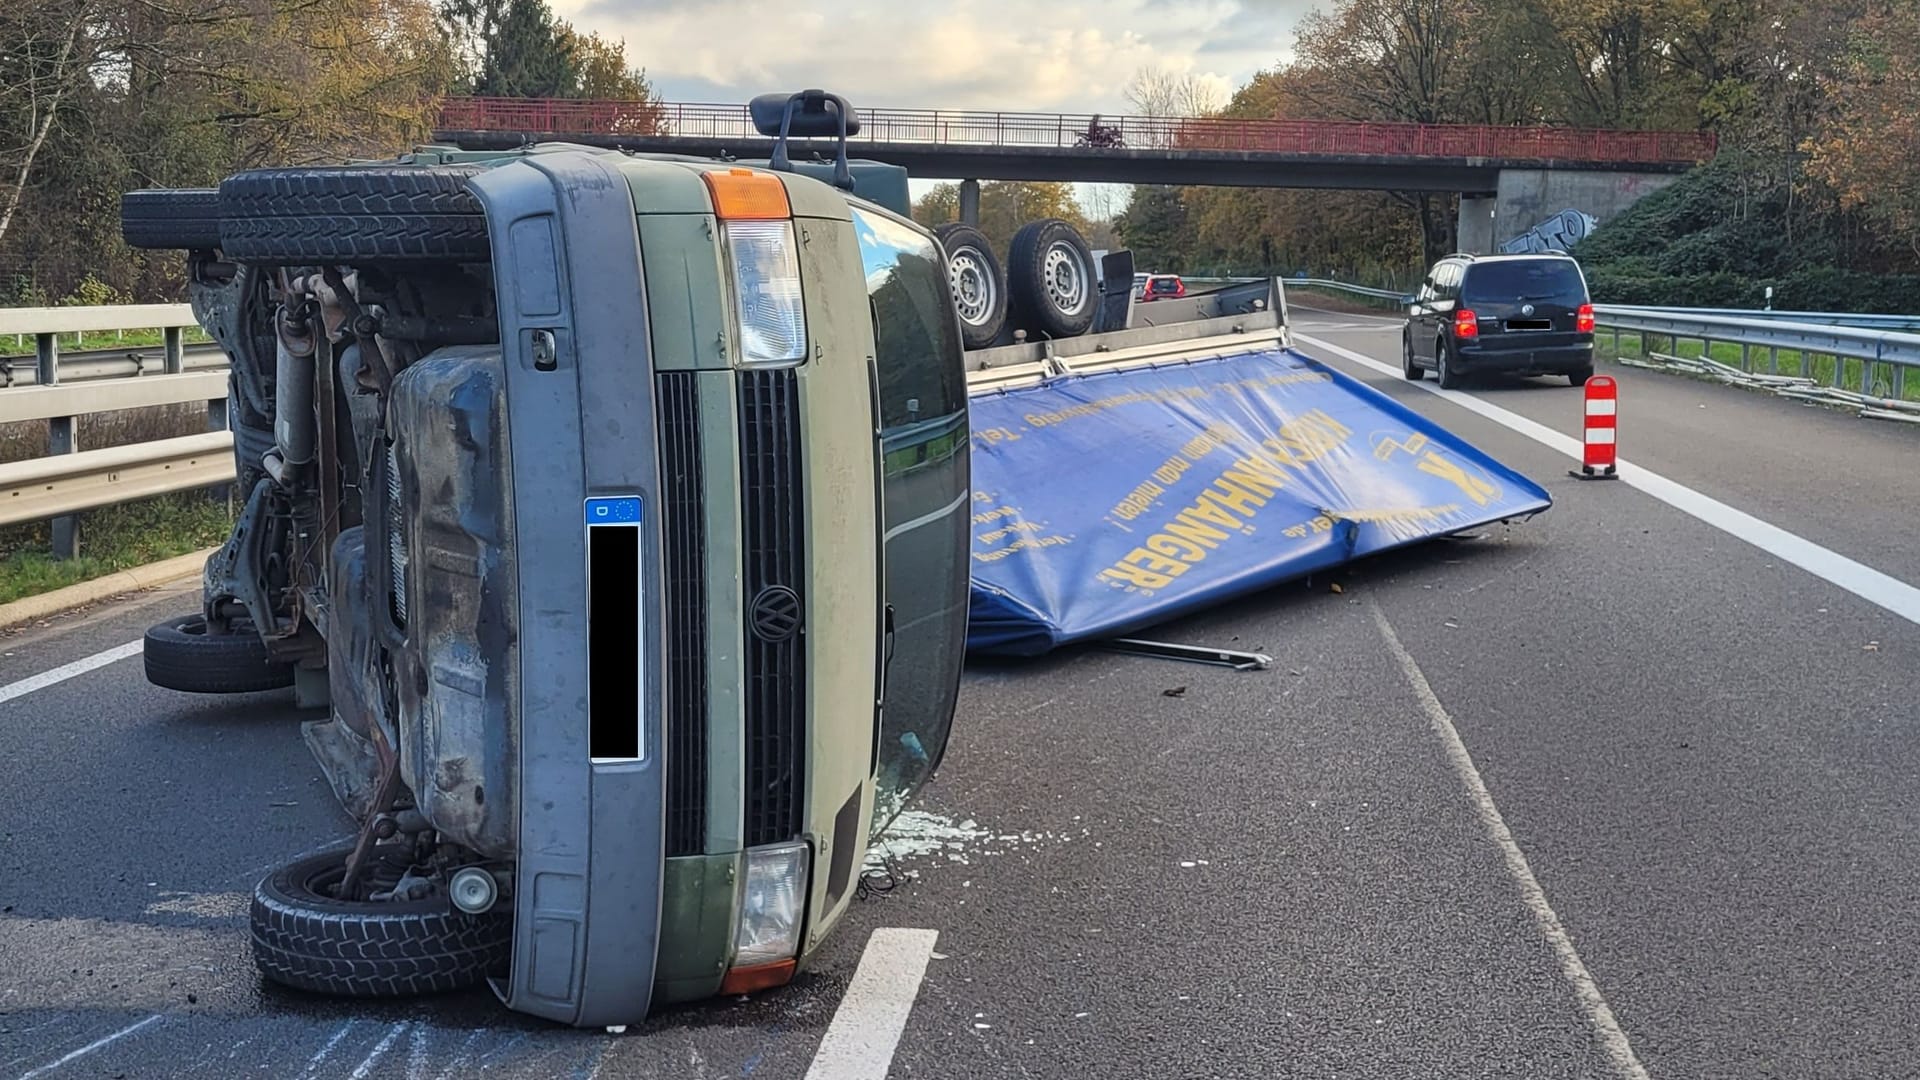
417,1052
379,1050
1586,992
1857,578
313,1063
466,1050
67,671
90,1047
860,1041
930,518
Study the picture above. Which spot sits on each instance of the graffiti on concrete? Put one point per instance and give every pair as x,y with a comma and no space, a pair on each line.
1558,233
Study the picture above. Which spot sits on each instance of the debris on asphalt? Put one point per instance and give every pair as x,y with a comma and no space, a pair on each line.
1174,691
1797,387
1335,588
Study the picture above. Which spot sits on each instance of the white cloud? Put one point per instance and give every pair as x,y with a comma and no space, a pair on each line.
1011,55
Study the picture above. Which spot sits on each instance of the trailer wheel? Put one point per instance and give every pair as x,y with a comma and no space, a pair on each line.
352,214
181,218
181,654
979,285
1051,281
306,938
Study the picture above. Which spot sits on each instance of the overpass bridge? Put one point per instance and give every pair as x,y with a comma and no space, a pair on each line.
1511,179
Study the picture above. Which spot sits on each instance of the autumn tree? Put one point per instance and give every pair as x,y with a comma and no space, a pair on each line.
1870,152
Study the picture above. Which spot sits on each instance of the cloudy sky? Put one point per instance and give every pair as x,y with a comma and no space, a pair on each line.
1014,55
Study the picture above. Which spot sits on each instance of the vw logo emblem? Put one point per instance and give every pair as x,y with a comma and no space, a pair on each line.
776,614
1526,309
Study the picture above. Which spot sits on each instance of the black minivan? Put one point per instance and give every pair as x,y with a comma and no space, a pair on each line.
1513,314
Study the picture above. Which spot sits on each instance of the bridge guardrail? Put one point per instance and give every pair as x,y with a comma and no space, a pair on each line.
961,127
69,479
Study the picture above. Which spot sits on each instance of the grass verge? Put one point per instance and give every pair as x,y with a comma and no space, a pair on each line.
112,538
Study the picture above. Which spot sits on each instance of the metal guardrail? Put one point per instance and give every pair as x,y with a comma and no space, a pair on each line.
959,127
1887,353
1882,356
1828,318
90,365
69,479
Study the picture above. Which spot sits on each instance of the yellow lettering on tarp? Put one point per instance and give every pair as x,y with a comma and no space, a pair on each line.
1256,475
1227,493
1202,510
1138,501
1295,531
1447,469
1231,500
1188,526
1127,572
991,516
1166,543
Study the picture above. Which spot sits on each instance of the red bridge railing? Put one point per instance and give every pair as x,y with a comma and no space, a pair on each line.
959,128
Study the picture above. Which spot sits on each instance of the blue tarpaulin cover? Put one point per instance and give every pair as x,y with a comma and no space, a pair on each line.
1110,501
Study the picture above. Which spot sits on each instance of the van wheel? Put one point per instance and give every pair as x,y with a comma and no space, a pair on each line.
185,654
1408,366
979,286
367,213
1051,279
181,218
1579,378
1444,373
306,938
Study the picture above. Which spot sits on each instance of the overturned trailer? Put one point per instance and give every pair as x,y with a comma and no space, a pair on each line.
1132,477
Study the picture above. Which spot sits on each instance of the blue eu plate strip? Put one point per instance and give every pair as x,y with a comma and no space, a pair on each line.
620,510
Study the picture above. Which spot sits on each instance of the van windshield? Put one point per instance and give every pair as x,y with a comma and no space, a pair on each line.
1526,279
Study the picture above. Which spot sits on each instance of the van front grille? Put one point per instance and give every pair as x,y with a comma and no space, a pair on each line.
683,525
772,569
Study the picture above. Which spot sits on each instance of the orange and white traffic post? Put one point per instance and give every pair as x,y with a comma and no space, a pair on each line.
1597,462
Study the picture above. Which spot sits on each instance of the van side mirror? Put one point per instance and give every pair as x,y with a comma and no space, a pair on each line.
816,114
809,114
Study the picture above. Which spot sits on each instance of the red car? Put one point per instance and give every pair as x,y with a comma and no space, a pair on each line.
1160,287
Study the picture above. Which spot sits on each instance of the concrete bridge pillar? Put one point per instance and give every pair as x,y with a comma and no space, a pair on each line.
1553,209
970,202
1475,234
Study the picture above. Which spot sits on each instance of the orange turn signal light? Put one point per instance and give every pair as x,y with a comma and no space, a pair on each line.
745,980
745,195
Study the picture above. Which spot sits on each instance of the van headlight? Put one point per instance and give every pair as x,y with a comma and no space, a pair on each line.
756,223
766,289
773,909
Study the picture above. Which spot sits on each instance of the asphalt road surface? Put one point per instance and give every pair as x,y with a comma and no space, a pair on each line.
1611,793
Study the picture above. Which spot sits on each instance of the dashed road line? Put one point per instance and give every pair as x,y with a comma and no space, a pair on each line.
67,671
866,1029
1593,1004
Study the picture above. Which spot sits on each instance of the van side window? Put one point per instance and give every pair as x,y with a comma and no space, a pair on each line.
916,335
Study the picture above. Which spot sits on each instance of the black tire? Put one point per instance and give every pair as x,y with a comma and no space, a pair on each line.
352,215
1408,366
1051,280
1444,372
308,940
168,219
978,283
181,655
1579,378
